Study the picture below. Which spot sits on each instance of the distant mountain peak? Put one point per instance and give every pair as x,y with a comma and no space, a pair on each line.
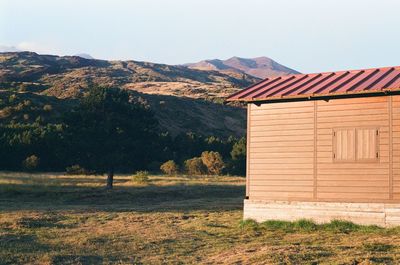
261,67
84,55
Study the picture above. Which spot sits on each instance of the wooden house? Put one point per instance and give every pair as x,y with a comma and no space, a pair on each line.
324,146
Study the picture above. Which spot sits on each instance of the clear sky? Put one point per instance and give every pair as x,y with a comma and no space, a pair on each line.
307,35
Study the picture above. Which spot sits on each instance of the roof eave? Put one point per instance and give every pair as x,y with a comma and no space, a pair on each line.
360,94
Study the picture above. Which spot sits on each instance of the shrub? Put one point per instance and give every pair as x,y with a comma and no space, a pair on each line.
12,98
169,167
47,107
31,162
7,111
77,170
195,166
27,103
213,161
141,177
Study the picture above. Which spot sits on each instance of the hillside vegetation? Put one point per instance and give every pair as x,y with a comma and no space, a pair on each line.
109,129
183,100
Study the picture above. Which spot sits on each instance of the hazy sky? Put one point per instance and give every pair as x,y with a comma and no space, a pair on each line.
307,35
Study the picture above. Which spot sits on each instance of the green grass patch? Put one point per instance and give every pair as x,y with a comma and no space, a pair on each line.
306,225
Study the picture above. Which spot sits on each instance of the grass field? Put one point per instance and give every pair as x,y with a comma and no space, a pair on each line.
58,219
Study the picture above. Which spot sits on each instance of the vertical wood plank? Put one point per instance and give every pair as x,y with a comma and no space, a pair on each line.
248,150
315,184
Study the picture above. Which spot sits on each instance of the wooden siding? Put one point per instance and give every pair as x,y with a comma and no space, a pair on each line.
396,146
291,146
281,144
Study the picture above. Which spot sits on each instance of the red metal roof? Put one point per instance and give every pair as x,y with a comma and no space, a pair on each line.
302,86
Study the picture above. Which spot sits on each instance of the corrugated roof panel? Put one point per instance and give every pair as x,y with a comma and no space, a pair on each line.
270,86
322,84
330,82
388,78
395,83
257,87
353,81
341,85
277,89
303,83
379,75
322,78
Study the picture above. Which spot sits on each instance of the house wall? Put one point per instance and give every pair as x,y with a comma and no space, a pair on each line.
281,151
396,147
290,151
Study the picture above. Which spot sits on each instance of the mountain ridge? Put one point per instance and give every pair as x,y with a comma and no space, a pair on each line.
62,75
260,67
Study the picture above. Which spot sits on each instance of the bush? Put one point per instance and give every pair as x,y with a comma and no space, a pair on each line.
213,161
31,162
47,107
195,166
77,170
169,167
141,177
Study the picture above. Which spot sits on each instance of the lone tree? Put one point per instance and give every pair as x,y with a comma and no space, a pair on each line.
111,130
31,162
169,167
213,161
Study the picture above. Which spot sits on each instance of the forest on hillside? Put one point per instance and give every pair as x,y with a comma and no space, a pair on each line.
109,129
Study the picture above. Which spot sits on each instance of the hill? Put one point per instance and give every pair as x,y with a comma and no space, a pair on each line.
68,76
260,67
84,55
181,98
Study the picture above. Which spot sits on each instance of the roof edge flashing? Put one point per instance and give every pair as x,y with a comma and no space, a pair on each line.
324,97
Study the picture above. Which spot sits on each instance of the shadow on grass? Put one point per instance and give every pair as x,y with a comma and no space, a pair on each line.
76,259
60,180
13,245
178,197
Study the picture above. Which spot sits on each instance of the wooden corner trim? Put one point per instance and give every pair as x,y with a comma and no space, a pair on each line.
390,106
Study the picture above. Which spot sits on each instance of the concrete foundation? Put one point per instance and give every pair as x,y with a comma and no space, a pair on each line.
381,214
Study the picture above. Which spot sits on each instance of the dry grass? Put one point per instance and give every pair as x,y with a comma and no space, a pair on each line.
58,219
196,90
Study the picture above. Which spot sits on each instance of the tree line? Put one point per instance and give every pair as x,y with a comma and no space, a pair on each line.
108,131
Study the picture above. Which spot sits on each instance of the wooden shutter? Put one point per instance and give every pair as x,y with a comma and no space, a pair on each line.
367,144
344,144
